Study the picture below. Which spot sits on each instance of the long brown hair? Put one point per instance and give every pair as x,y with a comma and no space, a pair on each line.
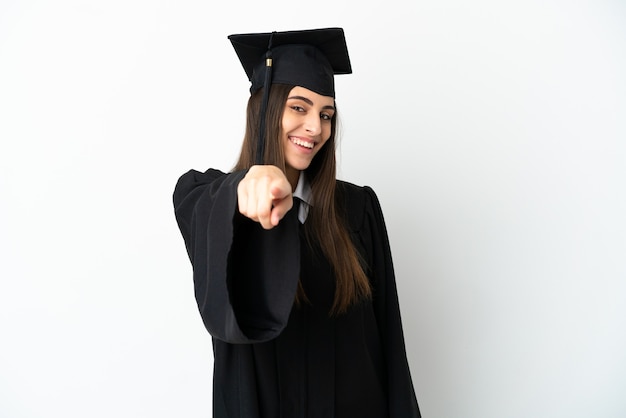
324,224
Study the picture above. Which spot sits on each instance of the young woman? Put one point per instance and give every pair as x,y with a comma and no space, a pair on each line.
292,268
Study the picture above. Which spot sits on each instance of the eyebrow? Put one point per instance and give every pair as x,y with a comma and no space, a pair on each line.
309,101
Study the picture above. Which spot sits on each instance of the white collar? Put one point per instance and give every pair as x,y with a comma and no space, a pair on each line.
305,194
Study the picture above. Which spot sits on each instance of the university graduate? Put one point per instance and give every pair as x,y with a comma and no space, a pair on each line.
292,267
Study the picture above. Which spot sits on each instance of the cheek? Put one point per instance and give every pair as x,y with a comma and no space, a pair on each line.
326,128
289,122
326,133
324,144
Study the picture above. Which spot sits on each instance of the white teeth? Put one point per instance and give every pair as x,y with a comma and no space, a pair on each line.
303,143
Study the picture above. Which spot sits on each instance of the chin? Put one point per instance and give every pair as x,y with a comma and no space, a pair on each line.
303,167
300,166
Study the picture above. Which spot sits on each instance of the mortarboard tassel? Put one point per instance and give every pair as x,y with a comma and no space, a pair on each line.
260,151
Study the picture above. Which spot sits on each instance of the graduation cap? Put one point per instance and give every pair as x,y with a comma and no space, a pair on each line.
305,58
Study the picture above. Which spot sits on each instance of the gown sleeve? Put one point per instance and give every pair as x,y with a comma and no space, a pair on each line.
245,277
400,390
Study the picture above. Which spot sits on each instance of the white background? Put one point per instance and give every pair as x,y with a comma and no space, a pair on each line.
493,132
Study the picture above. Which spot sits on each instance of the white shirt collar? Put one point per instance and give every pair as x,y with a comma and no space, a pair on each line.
305,194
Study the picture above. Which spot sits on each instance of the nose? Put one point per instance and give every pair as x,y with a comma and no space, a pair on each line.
313,124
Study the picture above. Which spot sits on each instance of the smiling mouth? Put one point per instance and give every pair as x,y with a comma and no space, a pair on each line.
302,143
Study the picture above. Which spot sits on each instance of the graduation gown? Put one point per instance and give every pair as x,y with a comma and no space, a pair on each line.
274,358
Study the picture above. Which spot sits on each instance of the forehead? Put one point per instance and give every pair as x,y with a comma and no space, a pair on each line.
314,97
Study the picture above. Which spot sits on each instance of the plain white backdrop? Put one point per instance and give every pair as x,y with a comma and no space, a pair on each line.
493,132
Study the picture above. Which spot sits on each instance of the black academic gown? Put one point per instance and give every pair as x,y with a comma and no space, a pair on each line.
273,358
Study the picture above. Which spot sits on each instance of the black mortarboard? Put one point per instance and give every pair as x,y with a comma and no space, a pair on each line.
305,58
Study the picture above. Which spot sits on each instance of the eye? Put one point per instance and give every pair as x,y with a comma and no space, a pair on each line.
326,116
297,108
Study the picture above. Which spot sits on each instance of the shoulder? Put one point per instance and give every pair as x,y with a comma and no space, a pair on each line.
356,202
355,194
194,182
194,178
354,189
198,177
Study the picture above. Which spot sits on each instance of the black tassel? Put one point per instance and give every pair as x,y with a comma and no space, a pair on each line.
260,150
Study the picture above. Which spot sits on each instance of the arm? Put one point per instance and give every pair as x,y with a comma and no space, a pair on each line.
245,276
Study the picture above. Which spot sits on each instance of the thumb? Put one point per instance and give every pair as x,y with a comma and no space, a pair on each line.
280,208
